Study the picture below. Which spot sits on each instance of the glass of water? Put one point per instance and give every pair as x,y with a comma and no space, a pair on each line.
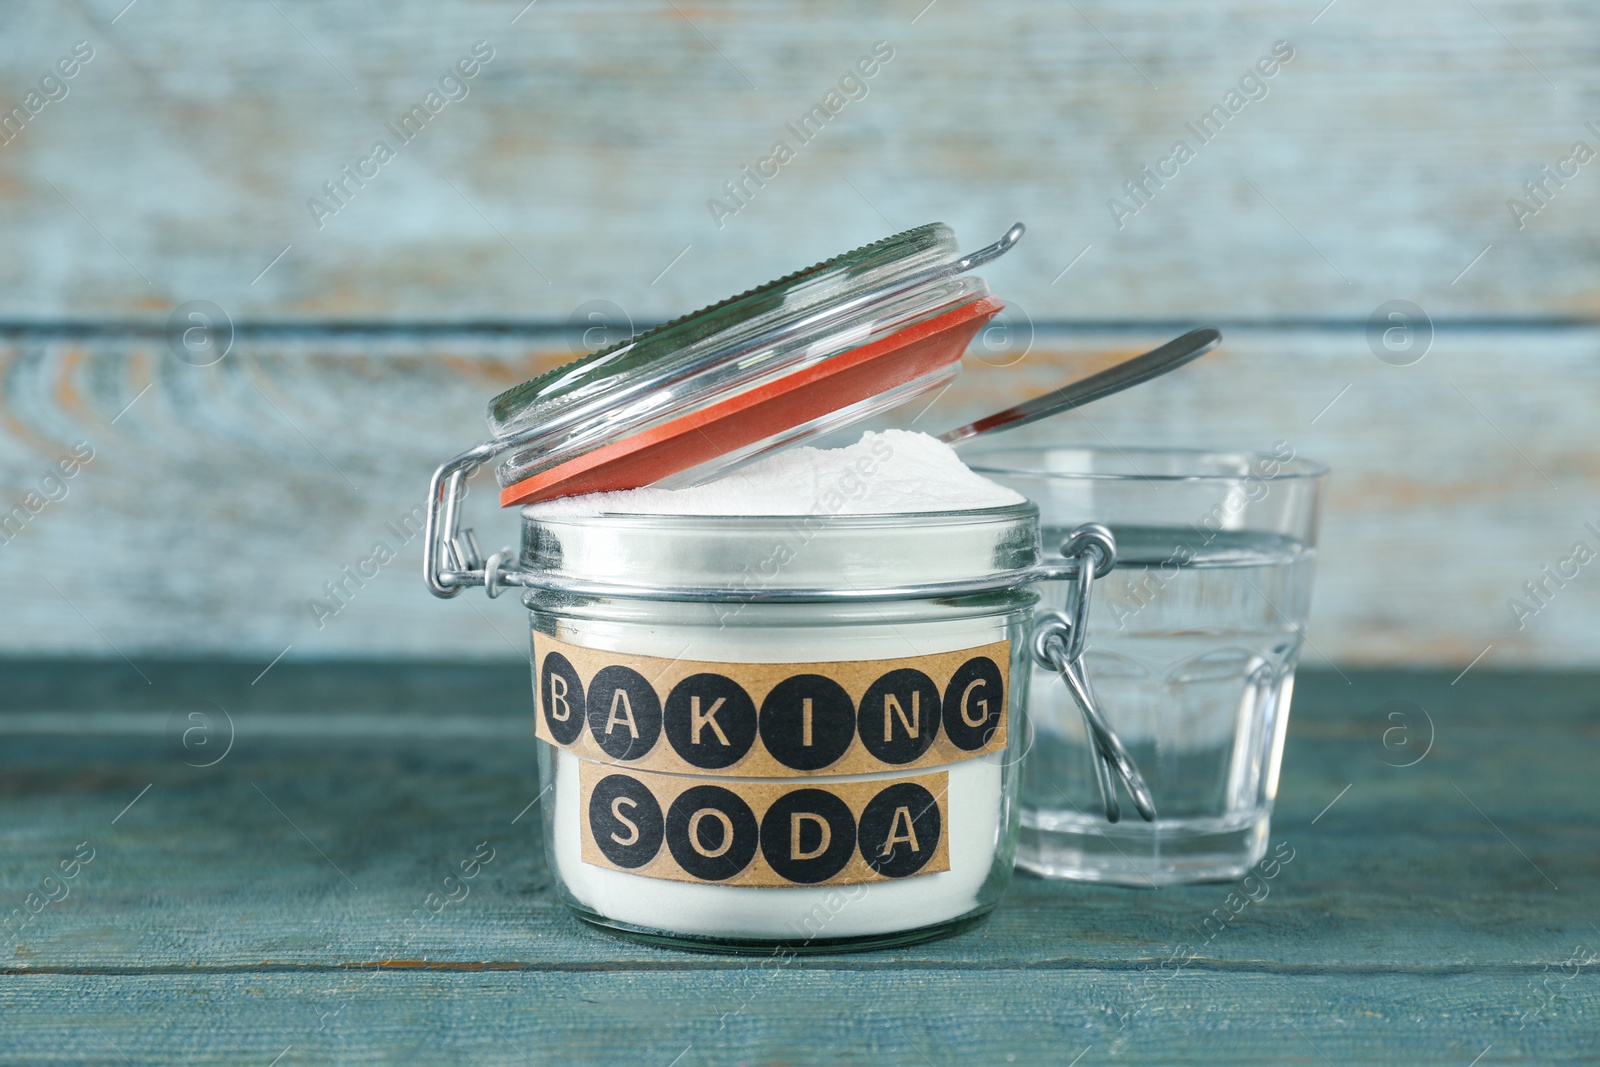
1192,644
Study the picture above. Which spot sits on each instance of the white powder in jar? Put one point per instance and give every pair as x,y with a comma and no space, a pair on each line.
893,472
798,913
884,473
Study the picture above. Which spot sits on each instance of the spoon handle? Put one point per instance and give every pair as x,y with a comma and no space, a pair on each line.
1152,364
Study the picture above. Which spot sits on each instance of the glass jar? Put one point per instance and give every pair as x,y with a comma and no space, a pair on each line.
767,731
794,731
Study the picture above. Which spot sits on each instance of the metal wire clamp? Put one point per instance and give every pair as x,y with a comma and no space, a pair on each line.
1058,642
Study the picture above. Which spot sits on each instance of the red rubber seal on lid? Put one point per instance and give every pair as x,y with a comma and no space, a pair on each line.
685,442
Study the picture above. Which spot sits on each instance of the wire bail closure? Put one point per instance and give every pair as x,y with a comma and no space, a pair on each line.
1059,638
451,559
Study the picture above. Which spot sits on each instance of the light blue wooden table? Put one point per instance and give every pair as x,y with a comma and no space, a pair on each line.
263,910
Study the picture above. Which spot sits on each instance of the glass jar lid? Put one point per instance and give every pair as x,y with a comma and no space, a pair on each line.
803,355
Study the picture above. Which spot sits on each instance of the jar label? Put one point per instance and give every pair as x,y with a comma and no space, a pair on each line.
772,720
746,833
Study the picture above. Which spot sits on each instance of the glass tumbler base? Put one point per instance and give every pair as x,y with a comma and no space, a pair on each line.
1133,853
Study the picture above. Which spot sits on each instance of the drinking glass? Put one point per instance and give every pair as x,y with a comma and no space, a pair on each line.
1192,644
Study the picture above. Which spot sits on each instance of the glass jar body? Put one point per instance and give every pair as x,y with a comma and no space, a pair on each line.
980,803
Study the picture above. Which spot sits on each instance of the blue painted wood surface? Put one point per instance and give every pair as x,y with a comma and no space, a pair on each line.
1436,466
256,908
189,156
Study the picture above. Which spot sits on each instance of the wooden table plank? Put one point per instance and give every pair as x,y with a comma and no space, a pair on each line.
216,918
391,812
800,1014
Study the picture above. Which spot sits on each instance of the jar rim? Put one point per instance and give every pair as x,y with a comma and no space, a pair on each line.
884,520
742,557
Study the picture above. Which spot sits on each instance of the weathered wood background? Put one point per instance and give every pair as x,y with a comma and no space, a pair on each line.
179,164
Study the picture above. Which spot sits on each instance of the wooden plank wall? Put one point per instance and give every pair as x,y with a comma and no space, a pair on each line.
179,162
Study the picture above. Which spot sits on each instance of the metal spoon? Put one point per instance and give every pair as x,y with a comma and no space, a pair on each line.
1152,364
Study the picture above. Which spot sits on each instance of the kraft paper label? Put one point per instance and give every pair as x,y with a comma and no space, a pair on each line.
772,720
743,833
